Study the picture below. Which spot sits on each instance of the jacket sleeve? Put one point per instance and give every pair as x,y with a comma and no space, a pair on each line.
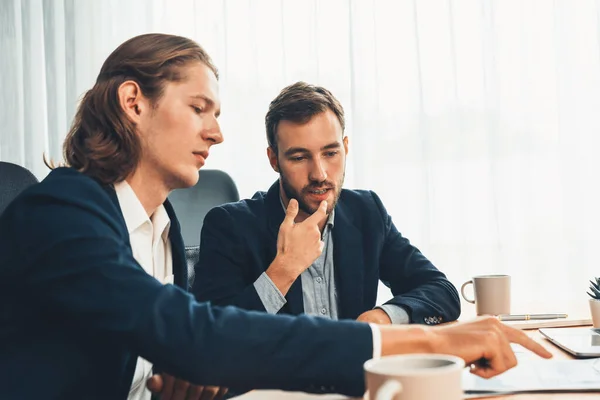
222,276
71,254
417,285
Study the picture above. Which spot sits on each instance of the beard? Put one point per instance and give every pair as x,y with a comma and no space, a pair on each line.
300,195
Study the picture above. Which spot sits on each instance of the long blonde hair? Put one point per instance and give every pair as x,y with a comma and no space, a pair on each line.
102,142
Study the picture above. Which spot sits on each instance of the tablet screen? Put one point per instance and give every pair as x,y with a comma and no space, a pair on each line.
581,342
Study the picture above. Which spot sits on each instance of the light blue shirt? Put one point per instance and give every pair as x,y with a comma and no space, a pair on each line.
319,293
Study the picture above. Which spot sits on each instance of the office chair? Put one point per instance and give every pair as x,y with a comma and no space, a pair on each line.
214,187
13,180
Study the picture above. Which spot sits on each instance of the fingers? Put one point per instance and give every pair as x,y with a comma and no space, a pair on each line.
290,213
509,358
195,392
499,353
180,390
319,214
484,372
222,392
493,361
519,337
497,357
167,392
210,393
155,383
487,368
516,336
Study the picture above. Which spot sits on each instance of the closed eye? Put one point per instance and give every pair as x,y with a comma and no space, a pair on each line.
297,158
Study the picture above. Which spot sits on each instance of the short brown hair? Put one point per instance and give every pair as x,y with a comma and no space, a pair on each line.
299,103
102,142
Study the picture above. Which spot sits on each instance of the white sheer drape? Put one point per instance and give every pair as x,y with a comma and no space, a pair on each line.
476,121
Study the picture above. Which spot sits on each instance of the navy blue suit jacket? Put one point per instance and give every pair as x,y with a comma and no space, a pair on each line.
76,310
239,242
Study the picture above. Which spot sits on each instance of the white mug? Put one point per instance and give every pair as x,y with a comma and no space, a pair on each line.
414,377
492,294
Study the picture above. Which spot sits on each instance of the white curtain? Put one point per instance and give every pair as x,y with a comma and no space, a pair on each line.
476,121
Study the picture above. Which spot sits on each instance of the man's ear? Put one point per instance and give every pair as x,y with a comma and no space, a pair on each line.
272,154
132,100
345,144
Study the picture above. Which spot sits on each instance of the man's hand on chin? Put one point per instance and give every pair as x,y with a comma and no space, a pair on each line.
167,387
375,316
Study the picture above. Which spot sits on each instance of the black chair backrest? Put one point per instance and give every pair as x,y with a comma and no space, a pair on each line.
214,187
13,180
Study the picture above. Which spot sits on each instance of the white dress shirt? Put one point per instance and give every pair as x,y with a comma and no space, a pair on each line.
149,238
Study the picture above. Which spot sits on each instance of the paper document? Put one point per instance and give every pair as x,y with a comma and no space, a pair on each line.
538,375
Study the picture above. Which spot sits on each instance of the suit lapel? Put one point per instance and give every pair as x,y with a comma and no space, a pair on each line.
180,273
130,359
347,260
274,211
275,216
295,300
179,265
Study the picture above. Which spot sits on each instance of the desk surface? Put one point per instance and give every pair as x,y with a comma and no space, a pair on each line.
558,354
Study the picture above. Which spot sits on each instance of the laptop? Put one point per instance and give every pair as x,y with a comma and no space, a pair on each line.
580,342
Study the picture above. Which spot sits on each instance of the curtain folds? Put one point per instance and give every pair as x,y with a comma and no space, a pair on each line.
476,121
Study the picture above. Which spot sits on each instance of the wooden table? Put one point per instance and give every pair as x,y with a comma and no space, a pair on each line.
557,352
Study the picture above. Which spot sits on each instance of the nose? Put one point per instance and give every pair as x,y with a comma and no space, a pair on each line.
212,133
318,172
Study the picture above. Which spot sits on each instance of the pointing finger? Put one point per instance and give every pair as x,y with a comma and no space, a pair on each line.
290,213
319,214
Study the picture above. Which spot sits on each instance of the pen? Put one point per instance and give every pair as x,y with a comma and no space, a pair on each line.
527,317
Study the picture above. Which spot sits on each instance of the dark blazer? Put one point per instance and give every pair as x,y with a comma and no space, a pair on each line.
76,310
239,242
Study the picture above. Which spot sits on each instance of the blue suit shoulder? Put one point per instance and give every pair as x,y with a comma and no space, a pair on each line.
360,198
66,178
69,185
365,206
49,206
64,186
255,205
246,211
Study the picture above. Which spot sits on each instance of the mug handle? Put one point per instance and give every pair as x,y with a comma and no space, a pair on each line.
388,390
462,291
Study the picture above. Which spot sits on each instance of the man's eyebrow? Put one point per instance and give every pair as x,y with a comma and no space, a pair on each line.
203,97
330,146
293,150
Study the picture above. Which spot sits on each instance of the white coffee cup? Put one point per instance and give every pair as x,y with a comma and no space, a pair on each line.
492,294
415,377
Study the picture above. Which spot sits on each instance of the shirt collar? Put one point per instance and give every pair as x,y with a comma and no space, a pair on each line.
135,215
